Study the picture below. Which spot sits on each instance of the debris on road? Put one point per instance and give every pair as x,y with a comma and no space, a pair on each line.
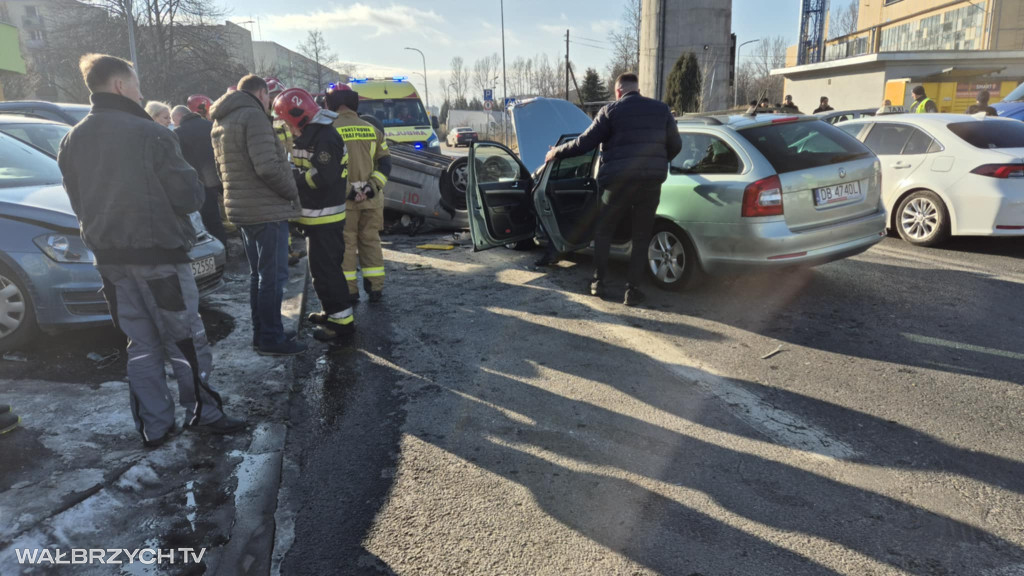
773,353
436,246
414,267
14,357
104,361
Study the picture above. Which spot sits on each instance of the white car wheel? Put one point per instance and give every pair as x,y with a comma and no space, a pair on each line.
17,317
671,258
922,219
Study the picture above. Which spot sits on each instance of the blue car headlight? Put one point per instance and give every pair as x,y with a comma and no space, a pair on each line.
65,248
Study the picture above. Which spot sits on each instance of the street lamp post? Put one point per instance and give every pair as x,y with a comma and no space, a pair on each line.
130,14
504,77
426,86
736,72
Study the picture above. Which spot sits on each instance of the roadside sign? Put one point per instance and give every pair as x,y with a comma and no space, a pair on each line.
509,102
488,95
487,105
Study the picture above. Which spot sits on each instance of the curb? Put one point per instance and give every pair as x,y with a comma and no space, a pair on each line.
251,543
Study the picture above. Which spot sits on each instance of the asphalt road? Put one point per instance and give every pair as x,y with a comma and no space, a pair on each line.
493,419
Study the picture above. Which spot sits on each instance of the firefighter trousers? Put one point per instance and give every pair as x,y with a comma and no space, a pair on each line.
157,308
325,245
362,247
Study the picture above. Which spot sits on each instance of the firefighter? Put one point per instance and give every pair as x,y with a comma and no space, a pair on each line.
200,104
300,158
322,187
369,165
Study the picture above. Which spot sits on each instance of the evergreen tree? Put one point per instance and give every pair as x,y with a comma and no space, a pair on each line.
682,92
593,90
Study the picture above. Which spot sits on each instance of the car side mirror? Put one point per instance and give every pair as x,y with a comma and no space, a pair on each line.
434,123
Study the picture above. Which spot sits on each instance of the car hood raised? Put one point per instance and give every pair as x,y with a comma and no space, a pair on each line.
46,205
539,122
1010,109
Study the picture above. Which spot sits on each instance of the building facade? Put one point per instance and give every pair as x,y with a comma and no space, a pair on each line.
953,48
671,28
293,69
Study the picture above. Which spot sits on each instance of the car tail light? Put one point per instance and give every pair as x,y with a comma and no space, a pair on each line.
786,120
1000,170
763,198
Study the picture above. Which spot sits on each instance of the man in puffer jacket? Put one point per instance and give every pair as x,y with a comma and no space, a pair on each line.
132,192
260,197
638,137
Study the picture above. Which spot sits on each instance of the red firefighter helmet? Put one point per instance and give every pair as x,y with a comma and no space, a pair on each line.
199,104
296,107
274,86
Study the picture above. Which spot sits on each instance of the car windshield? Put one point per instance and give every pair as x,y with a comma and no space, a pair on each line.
46,137
23,165
990,135
793,146
408,112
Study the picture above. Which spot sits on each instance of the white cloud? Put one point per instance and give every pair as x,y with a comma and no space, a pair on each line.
381,20
604,27
554,29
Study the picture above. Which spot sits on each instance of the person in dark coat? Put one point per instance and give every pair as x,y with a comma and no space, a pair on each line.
982,105
638,137
823,107
194,138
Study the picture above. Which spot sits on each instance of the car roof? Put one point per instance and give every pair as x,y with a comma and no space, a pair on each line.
741,121
929,120
19,119
22,104
831,113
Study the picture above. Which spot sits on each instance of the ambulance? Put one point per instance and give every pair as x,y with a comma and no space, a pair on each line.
395,102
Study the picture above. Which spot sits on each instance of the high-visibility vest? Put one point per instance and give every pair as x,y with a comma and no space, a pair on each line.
921,106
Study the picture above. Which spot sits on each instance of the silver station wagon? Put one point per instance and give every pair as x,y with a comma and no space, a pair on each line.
746,193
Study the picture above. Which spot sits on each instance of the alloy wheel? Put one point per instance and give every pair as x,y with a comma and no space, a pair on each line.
920,218
666,257
12,307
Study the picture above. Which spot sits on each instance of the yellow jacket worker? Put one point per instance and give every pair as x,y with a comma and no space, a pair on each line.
369,165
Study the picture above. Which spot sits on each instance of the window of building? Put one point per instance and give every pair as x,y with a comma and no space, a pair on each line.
957,29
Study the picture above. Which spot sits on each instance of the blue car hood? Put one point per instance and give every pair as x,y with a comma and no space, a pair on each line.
47,206
539,122
1010,109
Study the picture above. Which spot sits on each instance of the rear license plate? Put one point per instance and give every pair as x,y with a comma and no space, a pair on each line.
204,267
838,194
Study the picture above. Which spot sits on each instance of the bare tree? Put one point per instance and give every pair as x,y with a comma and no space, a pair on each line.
316,49
626,41
755,71
460,78
842,20
485,70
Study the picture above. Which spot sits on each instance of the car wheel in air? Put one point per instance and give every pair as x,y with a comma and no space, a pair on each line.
17,316
922,219
671,258
454,184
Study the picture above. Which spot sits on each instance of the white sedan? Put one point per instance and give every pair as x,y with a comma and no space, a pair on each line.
948,174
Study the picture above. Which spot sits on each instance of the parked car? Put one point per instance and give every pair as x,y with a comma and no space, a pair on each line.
948,174
837,116
43,134
745,193
47,278
462,136
67,113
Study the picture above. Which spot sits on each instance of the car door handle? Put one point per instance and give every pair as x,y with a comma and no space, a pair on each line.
901,165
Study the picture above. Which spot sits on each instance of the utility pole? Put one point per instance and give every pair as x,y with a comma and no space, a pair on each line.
130,15
566,64
504,77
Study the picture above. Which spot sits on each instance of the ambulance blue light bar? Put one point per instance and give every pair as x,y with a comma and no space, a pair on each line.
400,78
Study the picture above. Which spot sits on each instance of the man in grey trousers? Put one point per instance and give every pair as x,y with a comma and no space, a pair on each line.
132,192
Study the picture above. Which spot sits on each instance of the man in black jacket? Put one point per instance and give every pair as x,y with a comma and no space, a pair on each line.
132,192
196,146
638,137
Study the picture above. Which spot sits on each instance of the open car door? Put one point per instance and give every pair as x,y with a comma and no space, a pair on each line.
567,201
498,197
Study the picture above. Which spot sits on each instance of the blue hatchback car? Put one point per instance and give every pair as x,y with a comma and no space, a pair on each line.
48,280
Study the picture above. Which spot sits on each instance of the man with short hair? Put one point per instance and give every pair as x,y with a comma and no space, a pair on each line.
138,229
823,106
193,133
788,106
260,197
982,105
922,103
638,137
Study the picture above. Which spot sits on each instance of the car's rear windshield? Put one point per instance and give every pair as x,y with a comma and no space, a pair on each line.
990,135
78,113
793,146
22,165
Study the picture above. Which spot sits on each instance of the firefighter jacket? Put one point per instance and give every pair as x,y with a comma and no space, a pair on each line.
322,186
368,158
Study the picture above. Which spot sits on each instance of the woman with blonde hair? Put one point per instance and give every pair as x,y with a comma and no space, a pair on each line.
159,112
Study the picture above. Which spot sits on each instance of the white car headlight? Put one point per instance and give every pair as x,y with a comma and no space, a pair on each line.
65,248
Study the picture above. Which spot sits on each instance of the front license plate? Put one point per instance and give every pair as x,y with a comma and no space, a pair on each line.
204,267
839,194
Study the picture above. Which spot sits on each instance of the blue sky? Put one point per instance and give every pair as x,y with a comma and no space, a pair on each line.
373,33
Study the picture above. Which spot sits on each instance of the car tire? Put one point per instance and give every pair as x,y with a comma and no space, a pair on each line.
454,184
922,219
671,258
17,313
